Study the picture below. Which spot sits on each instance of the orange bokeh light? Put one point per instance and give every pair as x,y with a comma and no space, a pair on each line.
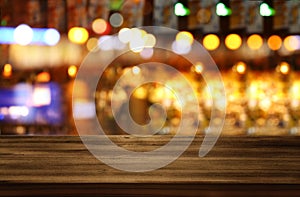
100,26
274,42
255,42
43,77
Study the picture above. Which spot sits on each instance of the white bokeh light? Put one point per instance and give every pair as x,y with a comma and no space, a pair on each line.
23,34
51,37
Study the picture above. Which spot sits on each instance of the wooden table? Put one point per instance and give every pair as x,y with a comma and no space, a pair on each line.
236,166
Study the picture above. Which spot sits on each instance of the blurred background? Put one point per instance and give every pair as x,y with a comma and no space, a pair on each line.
255,44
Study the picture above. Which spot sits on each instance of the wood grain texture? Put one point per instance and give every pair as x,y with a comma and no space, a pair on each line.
36,164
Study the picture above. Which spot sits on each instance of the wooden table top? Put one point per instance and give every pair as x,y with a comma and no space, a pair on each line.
63,162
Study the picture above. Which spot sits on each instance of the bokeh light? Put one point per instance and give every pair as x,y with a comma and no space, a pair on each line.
283,68
211,42
136,70
233,41
43,77
137,45
116,20
100,26
91,44
183,42
51,37
78,35
72,71
255,42
274,42
292,43
23,34
150,40
198,68
7,70
240,67
147,53
137,41
181,47
124,35
185,36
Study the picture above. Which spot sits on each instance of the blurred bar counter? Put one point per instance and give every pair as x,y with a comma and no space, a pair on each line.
236,166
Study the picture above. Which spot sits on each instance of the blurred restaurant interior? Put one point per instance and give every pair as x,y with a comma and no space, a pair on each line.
255,45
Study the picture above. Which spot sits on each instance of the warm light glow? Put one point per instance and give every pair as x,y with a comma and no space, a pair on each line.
255,42
100,26
91,44
284,68
23,34
136,70
233,41
78,35
292,43
241,67
7,70
185,36
211,42
72,71
116,20
43,77
274,42
265,104
140,93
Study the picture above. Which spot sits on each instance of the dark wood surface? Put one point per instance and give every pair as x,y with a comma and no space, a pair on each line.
62,165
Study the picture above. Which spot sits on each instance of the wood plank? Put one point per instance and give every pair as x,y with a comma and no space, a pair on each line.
42,161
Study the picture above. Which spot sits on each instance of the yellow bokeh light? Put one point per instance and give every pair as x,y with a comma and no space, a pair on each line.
7,70
140,93
78,35
91,44
274,42
99,26
211,42
241,67
185,36
72,71
233,41
284,68
255,42
291,43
